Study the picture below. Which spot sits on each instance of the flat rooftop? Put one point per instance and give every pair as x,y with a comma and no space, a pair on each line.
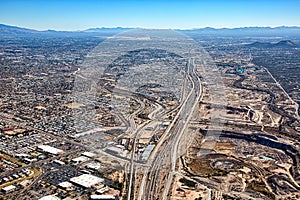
49,149
86,180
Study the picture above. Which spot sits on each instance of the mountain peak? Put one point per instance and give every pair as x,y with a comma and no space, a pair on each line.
283,43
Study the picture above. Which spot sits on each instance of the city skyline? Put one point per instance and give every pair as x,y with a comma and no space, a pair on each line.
80,15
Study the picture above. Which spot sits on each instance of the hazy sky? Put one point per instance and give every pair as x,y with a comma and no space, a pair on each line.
82,14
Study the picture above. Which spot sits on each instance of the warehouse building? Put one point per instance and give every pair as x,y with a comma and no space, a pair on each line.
86,180
49,149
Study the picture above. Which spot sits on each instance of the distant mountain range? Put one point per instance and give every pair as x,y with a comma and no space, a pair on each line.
281,44
277,31
14,29
7,29
106,29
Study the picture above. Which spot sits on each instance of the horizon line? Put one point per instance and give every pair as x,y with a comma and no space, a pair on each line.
123,27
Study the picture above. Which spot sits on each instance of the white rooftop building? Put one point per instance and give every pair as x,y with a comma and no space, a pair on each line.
65,185
166,123
49,197
86,180
102,190
80,159
94,166
24,183
49,149
59,162
102,197
9,188
89,154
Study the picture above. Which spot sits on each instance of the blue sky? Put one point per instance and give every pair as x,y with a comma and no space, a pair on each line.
185,14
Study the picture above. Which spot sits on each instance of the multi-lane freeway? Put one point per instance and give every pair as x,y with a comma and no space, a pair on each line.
162,160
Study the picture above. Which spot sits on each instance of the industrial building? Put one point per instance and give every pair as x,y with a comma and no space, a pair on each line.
49,197
86,180
66,185
50,150
147,152
89,154
9,188
102,197
94,166
80,159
